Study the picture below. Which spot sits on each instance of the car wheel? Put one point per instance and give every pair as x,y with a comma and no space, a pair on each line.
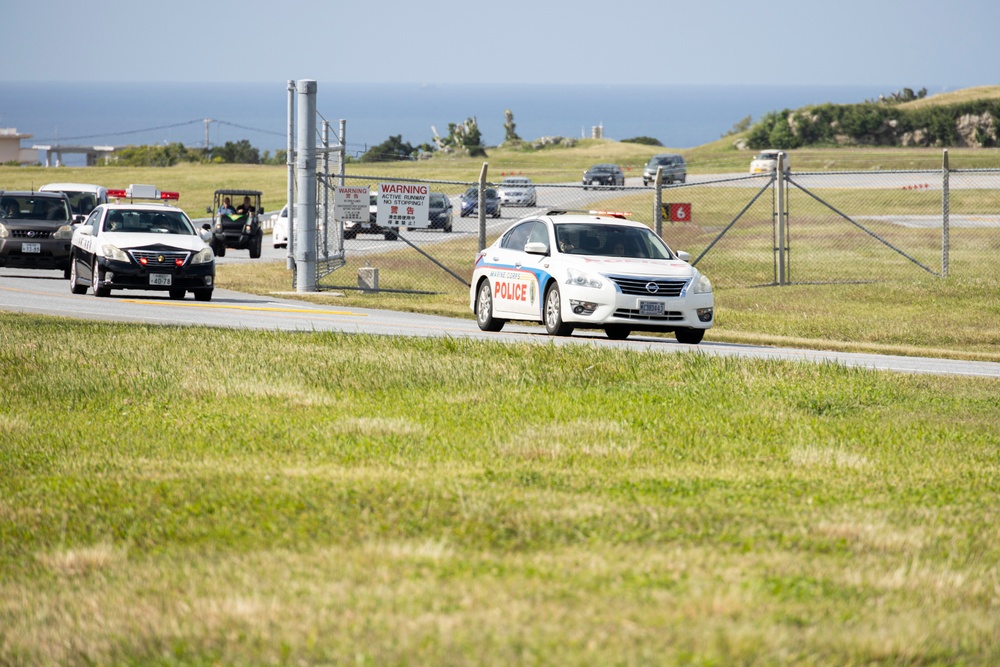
219,249
617,331
447,227
202,295
484,309
350,235
689,336
255,246
553,314
176,294
95,282
74,279
496,214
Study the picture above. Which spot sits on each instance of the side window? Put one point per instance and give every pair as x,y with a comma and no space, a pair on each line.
517,237
94,220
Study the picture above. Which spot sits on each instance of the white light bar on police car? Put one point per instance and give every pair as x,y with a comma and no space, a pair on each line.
143,192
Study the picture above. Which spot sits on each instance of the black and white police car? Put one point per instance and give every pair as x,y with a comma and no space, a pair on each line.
144,246
597,270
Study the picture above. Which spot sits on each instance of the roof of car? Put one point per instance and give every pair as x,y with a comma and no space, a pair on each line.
32,193
150,206
77,187
562,216
232,191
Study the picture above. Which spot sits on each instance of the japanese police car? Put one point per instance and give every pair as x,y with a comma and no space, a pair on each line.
593,271
142,246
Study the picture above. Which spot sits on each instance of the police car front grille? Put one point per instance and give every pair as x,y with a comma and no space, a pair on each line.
153,258
30,234
641,286
630,314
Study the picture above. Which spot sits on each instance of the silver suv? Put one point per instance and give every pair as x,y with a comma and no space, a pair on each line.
674,168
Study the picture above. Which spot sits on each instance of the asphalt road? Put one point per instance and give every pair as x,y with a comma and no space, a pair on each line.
46,292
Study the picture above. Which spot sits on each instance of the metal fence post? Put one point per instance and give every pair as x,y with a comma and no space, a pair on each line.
305,160
658,203
326,191
342,152
482,205
779,182
945,213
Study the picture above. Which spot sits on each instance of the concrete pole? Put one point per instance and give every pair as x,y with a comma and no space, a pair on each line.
779,183
945,214
290,164
305,161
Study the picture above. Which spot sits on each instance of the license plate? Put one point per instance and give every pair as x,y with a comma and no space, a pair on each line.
162,279
651,308
31,247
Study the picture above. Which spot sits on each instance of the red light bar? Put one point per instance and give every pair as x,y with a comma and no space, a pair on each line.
118,194
170,195
617,214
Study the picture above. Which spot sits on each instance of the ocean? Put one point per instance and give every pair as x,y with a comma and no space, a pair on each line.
118,114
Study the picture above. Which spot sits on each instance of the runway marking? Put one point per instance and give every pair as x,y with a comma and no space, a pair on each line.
266,309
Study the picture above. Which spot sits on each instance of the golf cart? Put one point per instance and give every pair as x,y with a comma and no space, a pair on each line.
236,227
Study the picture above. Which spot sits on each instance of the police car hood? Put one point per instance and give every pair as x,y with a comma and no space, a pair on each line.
131,240
629,266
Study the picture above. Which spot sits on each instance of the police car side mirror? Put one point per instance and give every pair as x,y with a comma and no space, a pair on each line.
87,230
536,248
683,256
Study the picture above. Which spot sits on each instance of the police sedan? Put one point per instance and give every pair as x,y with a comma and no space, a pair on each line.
590,271
142,246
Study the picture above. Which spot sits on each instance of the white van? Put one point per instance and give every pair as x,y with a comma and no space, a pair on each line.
83,197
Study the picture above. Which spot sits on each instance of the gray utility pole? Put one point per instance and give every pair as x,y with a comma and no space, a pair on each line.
305,161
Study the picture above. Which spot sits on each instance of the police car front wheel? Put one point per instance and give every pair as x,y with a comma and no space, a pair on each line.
553,314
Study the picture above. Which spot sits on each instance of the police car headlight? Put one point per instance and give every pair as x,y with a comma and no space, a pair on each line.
703,285
114,252
583,279
63,233
3,232
203,256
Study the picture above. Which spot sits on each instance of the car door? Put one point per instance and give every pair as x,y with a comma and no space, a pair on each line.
515,281
85,244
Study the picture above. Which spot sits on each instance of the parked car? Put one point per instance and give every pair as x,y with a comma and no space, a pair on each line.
571,271
142,246
766,162
674,168
604,174
83,197
279,228
517,191
439,210
470,202
237,226
36,230
353,228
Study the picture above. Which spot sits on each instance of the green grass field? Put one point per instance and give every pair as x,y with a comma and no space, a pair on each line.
192,497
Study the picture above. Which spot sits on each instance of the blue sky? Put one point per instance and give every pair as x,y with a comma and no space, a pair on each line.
940,44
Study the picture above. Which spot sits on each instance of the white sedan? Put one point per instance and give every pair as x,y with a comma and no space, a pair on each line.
594,271
766,162
279,229
144,247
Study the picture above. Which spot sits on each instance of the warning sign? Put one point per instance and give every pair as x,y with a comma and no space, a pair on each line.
677,212
351,203
403,205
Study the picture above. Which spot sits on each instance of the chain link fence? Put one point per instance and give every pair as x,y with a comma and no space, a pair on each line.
835,227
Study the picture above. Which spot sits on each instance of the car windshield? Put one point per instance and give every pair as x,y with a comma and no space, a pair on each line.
514,182
611,240
766,156
438,201
601,168
148,222
31,207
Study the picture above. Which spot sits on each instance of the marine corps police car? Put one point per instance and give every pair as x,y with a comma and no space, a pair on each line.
142,246
594,271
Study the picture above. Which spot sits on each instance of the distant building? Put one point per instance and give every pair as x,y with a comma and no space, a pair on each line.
10,147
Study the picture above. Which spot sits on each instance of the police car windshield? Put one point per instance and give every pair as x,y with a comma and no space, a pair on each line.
610,240
147,222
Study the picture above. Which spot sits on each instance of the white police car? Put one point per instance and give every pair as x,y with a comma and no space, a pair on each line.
142,246
593,271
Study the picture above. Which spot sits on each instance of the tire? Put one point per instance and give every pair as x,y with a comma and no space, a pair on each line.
219,249
689,336
350,235
617,331
66,272
447,227
390,236
176,294
484,309
202,295
496,214
95,282
553,314
255,246
74,279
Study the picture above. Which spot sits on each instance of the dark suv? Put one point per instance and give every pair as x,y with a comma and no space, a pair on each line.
674,168
36,230
604,174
